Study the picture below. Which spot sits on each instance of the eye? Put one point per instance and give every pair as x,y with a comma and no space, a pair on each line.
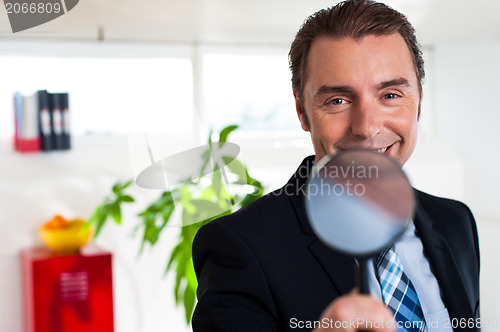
337,101
391,96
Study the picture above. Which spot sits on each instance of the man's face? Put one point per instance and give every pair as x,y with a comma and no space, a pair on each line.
361,94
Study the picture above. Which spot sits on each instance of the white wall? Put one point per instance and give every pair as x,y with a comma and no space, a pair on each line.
467,87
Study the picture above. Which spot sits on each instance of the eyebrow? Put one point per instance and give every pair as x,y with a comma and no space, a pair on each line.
395,82
328,89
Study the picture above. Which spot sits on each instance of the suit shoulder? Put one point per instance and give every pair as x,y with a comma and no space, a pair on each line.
259,224
442,205
450,217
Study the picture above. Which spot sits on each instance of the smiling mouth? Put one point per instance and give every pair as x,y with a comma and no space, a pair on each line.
385,150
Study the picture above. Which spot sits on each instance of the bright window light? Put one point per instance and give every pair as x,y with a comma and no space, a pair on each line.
253,91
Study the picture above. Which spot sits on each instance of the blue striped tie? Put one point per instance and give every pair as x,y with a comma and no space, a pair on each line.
399,293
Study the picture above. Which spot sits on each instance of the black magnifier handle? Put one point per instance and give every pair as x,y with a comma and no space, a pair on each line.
362,276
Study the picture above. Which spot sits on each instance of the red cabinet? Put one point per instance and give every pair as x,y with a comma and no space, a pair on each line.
67,293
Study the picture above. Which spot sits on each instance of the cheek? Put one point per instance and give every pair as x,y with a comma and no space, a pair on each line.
405,125
329,129
411,125
411,139
404,121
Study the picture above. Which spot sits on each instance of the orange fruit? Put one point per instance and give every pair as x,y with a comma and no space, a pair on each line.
56,222
63,236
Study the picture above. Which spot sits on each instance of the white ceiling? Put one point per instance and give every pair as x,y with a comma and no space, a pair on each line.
245,21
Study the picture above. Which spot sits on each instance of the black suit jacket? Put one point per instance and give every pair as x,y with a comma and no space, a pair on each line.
263,269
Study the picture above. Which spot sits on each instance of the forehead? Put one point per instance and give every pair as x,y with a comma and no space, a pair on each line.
370,59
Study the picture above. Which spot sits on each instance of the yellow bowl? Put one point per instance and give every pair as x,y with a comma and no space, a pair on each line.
65,240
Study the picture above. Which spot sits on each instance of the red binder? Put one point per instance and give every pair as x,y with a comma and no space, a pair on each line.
67,292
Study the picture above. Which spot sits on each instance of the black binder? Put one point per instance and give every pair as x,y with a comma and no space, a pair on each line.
57,121
45,121
66,141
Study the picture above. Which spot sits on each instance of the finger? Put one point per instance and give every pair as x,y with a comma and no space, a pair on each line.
356,312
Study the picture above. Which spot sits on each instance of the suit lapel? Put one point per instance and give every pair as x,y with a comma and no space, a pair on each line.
338,267
443,264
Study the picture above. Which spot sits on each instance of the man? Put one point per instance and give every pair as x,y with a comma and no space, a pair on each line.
357,81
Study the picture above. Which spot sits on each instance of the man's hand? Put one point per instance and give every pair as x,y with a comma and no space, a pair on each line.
356,312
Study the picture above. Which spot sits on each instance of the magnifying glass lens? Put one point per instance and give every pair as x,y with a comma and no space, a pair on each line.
359,202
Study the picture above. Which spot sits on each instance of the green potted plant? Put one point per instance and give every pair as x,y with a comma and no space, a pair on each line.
199,201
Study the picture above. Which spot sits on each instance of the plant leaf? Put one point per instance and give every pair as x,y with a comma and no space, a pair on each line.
206,209
116,212
167,213
237,168
189,300
116,188
119,186
190,275
173,256
217,181
210,139
205,157
126,198
225,133
100,219
126,184
181,268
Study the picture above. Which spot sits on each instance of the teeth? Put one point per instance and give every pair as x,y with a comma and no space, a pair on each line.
381,150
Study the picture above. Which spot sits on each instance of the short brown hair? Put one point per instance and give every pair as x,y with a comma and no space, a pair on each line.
355,19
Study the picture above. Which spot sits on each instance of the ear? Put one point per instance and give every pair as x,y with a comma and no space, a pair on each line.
304,123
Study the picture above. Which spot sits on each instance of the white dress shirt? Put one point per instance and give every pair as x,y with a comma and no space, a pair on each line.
416,266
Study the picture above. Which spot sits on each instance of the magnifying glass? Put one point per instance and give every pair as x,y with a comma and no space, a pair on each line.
359,202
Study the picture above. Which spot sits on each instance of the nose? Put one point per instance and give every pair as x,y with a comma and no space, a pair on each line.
366,119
